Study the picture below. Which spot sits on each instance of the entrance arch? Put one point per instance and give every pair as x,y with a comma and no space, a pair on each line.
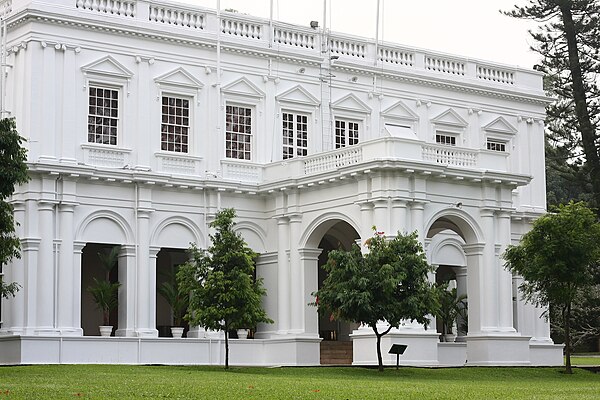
340,236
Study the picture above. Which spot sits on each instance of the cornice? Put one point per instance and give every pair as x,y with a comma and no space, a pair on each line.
205,39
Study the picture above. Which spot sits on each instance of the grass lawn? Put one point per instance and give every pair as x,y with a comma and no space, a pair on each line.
579,360
164,382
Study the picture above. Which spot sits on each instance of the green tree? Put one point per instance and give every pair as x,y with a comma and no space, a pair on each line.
222,292
558,260
569,41
13,171
388,283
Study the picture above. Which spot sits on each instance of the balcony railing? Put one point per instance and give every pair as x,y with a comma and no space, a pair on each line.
258,32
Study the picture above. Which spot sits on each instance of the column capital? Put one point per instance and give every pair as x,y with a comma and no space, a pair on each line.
417,204
380,203
78,246
153,250
364,205
282,219
67,207
473,249
127,250
144,212
30,243
46,205
399,203
486,212
503,214
295,218
309,253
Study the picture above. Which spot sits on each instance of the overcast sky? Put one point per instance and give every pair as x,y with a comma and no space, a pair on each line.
470,28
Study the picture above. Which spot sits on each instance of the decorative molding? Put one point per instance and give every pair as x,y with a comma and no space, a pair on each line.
243,87
297,95
352,103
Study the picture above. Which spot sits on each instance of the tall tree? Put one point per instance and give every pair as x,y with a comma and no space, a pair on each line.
13,171
388,283
558,260
569,42
223,294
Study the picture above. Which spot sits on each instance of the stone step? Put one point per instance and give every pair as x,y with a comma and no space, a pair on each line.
336,352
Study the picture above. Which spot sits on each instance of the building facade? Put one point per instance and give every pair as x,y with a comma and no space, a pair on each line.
143,118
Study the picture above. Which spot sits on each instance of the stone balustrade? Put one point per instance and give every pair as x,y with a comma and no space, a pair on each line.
302,41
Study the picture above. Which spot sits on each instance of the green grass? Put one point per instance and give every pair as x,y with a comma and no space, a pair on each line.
578,360
163,382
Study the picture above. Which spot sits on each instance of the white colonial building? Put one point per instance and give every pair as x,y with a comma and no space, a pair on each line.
143,118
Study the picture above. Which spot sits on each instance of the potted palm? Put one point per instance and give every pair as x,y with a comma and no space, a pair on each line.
450,307
169,290
104,292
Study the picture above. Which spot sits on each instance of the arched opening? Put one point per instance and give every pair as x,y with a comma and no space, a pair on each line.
168,303
447,237
340,236
94,273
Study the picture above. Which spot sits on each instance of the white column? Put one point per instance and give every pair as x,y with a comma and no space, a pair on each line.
398,221
489,284
309,260
461,289
76,305
66,275
475,289
504,277
416,216
297,276
381,216
14,319
541,331
145,303
366,222
283,276
48,110
152,285
127,278
45,270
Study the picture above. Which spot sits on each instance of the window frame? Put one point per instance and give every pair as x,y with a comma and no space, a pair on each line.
119,124
252,134
191,120
294,146
498,142
346,121
453,136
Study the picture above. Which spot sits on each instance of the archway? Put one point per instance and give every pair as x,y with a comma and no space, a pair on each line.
340,236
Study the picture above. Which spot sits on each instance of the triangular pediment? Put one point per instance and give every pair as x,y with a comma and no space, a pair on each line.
243,87
450,118
399,110
500,125
351,103
107,66
297,95
179,77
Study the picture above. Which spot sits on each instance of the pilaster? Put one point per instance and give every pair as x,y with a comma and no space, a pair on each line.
283,276
127,279
297,276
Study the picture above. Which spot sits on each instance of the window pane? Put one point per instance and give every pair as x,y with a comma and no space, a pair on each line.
174,124
103,115
238,129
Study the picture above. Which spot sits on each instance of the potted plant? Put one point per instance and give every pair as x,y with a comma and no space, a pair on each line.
450,307
104,292
178,302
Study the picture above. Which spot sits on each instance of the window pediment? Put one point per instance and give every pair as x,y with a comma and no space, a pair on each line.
297,95
500,126
400,111
243,87
450,118
351,103
107,66
179,77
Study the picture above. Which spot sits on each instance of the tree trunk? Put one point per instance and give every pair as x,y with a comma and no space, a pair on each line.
226,347
588,135
567,321
379,359
379,335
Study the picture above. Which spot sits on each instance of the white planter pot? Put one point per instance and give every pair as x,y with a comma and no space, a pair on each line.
176,331
242,333
105,330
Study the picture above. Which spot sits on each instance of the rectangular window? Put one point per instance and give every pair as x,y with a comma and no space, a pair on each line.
103,115
447,140
346,133
175,126
295,135
238,132
496,146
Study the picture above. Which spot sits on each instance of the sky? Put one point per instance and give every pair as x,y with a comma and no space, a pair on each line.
469,28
